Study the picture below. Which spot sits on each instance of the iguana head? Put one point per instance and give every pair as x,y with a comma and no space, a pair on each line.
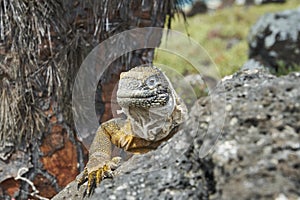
151,104
145,87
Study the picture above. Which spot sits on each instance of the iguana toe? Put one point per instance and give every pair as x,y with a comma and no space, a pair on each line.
95,176
80,180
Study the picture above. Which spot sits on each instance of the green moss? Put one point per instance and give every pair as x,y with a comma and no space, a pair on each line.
284,68
223,34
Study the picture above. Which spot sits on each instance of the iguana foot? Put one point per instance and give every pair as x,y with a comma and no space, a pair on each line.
95,175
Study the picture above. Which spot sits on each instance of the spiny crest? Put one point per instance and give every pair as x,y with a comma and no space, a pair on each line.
142,72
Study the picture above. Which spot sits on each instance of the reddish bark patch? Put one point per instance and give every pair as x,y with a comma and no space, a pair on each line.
109,97
60,156
9,186
43,185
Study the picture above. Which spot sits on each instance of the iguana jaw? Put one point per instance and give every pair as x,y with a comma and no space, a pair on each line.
138,98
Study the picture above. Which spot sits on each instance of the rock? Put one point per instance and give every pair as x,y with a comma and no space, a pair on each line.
252,64
197,8
269,1
259,155
274,41
191,88
256,157
257,2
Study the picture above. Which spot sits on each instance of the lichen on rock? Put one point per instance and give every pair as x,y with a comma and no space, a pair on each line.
274,41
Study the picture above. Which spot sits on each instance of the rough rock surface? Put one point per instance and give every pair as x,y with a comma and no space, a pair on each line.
274,41
256,157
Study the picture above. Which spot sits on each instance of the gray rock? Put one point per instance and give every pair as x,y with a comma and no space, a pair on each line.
256,157
274,41
259,155
257,2
252,64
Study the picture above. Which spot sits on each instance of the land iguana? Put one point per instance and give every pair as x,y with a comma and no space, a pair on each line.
154,111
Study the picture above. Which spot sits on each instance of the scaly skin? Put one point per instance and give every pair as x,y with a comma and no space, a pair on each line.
154,111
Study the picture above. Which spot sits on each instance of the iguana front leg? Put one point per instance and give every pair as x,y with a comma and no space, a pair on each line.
100,164
154,112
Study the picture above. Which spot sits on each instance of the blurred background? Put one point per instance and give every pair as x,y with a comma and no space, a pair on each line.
221,27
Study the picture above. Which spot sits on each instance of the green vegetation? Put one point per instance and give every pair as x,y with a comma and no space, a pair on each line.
284,70
223,34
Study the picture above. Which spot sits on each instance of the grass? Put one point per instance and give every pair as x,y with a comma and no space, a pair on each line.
223,35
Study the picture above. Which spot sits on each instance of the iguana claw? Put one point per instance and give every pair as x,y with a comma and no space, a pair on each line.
94,177
154,112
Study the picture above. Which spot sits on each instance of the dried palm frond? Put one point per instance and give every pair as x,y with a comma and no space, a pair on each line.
26,49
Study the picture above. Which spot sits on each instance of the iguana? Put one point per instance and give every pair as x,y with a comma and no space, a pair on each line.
154,111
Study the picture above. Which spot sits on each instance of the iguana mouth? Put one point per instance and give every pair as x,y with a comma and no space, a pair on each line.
143,100
136,94
143,93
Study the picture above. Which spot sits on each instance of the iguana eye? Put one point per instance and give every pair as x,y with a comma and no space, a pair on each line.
151,81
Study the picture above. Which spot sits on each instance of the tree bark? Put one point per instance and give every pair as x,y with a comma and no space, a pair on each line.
42,45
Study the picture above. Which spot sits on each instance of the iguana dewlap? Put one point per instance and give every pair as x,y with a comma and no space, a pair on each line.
153,110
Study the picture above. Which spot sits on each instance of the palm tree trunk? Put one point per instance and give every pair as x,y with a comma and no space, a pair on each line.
42,45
